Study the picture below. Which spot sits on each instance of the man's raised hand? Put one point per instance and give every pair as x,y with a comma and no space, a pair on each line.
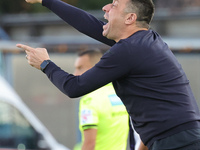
33,1
34,56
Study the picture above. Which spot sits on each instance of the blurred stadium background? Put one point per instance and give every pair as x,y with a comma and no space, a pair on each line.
177,21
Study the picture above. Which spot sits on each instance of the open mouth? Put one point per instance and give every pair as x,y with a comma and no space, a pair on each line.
105,26
105,17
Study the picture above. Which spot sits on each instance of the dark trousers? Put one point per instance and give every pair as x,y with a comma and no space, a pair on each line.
193,146
185,140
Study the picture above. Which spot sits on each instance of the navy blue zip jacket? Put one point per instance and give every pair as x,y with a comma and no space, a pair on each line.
145,74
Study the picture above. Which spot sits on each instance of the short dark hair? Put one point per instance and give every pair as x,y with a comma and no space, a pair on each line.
144,10
90,52
94,55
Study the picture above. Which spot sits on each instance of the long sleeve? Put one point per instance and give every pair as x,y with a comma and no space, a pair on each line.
107,70
79,19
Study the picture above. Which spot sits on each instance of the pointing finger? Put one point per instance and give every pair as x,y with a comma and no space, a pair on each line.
25,47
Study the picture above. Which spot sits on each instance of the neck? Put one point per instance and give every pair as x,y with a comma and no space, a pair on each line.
130,32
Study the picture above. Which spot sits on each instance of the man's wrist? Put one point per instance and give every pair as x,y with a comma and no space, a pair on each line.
44,64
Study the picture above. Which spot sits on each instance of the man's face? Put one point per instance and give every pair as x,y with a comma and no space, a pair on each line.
115,15
82,64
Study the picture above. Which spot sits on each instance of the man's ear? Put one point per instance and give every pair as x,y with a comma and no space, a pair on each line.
130,18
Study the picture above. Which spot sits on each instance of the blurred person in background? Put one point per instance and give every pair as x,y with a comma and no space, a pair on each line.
103,119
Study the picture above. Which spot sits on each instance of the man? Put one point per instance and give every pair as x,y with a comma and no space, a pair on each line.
145,74
103,119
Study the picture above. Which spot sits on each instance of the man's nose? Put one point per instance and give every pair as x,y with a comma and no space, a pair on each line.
107,7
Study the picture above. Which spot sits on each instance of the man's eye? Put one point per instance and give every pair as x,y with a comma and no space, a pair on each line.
113,5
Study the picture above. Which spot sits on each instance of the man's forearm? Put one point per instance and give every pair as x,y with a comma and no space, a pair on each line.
89,139
88,147
33,1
